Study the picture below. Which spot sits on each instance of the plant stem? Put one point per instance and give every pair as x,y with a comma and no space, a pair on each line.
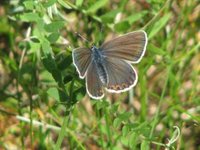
62,133
160,103
108,128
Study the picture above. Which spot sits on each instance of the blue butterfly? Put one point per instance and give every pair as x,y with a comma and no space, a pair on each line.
109,66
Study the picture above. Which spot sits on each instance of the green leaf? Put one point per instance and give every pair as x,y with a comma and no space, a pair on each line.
155,50
133,140
53,37
65,4
141,128
34,47
97,5
116,123
145,145
125,116
53,92
136,16
124,140
114,108
138,126
64,62
67,79
51,66
46,48
122,4
47,77
54,26
103,128
29,5
110,16
159,25
49,3
125,24
102,104
125,130
49,63
29,17
122,26
4,27
79,3
35,40
26,69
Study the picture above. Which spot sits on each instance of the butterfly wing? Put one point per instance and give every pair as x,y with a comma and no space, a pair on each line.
81,60
93,83
130,47
121,75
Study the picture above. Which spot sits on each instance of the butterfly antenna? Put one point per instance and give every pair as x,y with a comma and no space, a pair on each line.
83,38
101,31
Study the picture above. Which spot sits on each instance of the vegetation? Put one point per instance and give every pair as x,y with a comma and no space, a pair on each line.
43,102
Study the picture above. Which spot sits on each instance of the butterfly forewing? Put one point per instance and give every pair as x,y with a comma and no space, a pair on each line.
130,47
93,83
82,60
121,75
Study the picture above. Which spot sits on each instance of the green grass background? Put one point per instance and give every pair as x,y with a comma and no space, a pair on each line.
43,103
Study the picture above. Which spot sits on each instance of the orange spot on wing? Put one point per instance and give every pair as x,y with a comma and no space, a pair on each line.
100,92
124,85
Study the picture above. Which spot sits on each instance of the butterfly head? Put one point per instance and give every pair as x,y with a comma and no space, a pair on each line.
94,48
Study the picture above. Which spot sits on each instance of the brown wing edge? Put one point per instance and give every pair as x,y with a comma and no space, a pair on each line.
97,82
129,87
144,49
74,63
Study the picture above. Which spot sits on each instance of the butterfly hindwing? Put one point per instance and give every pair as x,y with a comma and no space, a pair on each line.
121,75
130,47
93,83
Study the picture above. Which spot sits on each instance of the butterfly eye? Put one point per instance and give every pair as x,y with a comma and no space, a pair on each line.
92,45
93,48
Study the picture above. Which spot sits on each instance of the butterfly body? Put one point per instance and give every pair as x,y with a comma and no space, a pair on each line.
109,66
98,60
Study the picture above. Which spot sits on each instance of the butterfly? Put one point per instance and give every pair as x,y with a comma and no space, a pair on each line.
108,67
